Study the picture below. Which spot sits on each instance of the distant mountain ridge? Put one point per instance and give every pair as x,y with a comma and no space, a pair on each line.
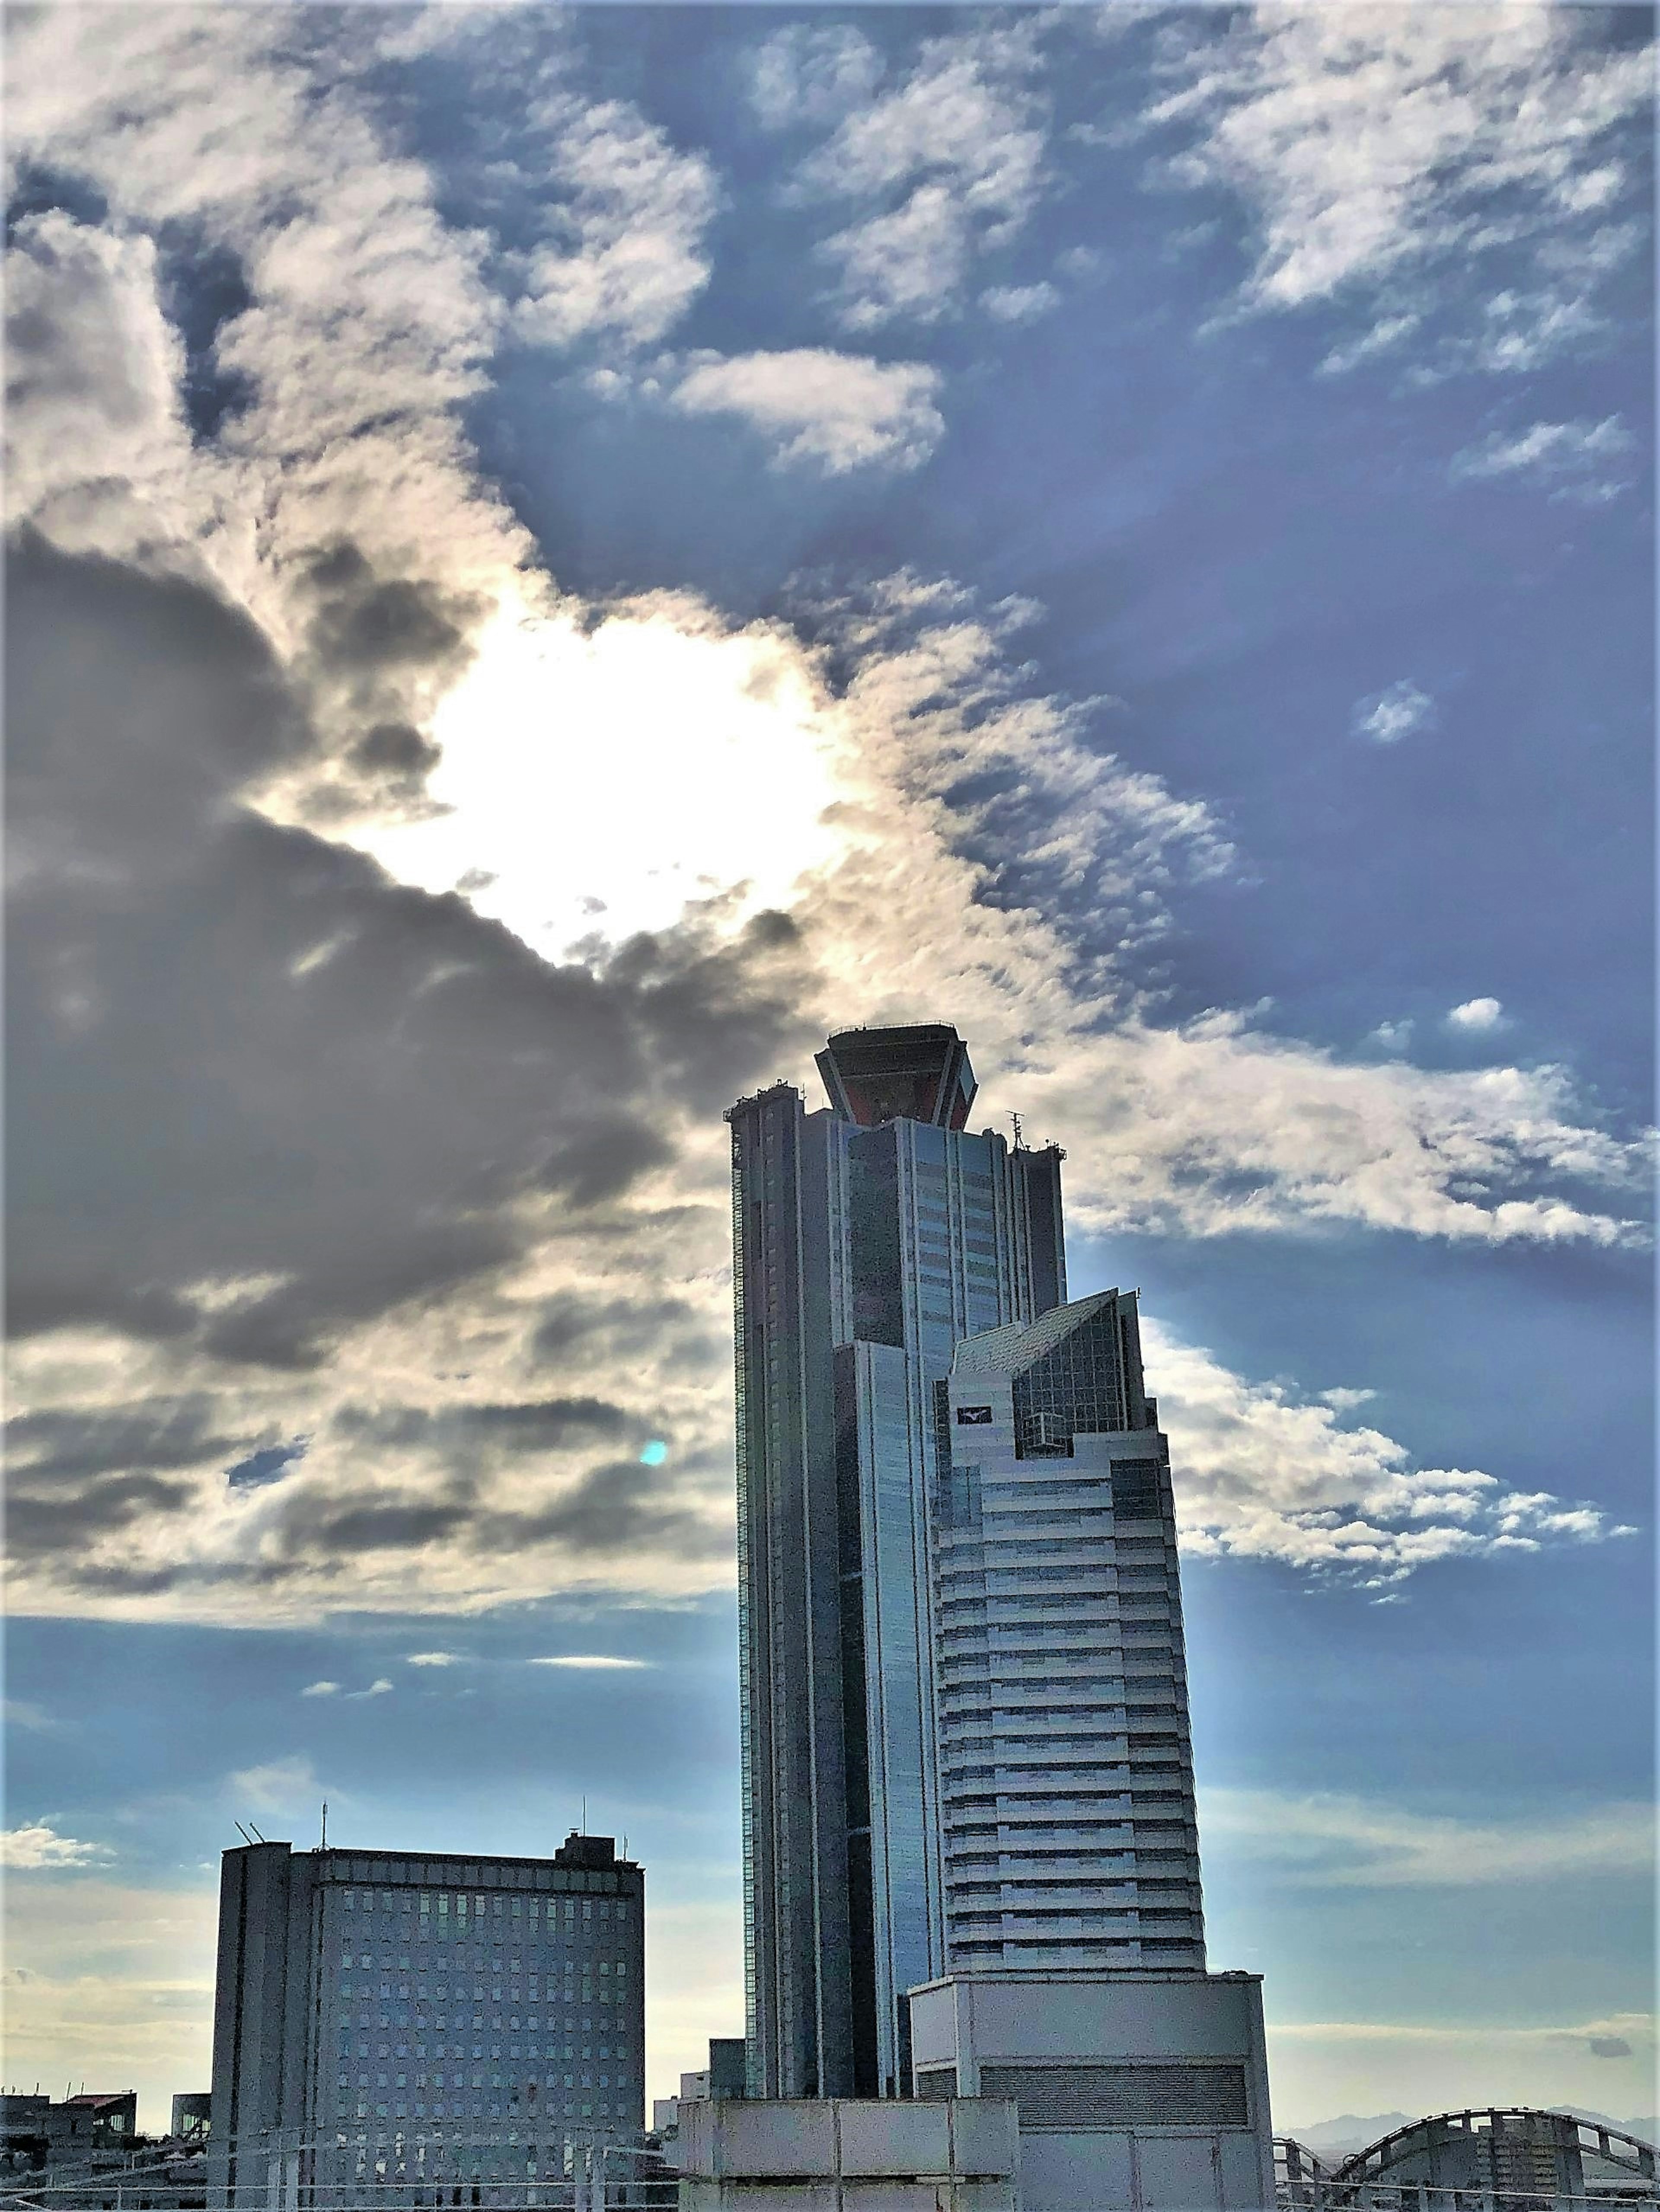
1350,2132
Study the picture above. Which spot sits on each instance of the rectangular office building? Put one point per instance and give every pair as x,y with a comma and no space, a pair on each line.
867,1241
445,2024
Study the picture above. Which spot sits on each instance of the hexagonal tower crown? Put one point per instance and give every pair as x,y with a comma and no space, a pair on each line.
920,1073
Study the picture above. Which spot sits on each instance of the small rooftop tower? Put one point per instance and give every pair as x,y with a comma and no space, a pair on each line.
916,1074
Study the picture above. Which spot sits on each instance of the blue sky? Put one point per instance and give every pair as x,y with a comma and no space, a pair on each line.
563,554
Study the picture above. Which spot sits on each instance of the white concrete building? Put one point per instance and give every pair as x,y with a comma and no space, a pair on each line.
1076,1980
1144,2091
1066,1767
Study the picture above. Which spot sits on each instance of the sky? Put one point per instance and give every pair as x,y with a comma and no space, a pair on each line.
558,555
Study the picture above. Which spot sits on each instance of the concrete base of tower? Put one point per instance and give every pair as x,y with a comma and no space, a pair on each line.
1141,2091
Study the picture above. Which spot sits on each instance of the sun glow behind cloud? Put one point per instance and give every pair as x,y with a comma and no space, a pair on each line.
598,781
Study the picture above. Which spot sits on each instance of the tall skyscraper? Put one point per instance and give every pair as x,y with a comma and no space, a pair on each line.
383,2021
1065,1759
869,1239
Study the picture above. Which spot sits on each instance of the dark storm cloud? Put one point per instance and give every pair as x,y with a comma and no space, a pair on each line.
543,1424
240,1053
38,1523
376,648
159,1432
367,625
396,750
619,1503
671,1331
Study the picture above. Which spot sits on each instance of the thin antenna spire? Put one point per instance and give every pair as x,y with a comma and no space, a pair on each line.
585,1812
1019,1140
243,1832
325,1825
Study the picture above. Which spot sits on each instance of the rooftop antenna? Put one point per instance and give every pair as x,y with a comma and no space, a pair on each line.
325,1825
256,1832
243,1832
1019,1140
585,1812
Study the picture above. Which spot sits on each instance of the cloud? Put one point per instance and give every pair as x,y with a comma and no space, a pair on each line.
37,1843
432,1659
24,1713
382,1133
589,1660
624,257
1399,711
1478,167
1578,460
277,1785
942,167
1393,1037
1338,1841
1019,303
380,1688
321,1690
833,411
1608,2046
1262,1471
1476,1016
811,75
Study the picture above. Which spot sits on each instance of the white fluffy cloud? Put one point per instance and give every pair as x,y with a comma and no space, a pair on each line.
37,1844
275,1785
1398,712
1581,460
940,168
588,1662
624,255
1263,1471
1475,1016
1394,155
833,411
807,74
1019,303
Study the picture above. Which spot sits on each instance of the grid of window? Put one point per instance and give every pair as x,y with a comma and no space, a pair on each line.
1066,1788
476,2033
1075,1388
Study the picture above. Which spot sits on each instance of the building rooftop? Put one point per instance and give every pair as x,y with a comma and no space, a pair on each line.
1017,1343
915,1073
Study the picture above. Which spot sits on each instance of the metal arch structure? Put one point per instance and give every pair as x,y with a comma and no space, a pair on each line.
1300,2173
1502,2147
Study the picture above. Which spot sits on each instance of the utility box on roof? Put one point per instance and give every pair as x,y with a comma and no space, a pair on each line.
1137,2092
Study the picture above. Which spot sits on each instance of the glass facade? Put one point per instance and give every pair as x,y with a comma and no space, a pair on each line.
869,1242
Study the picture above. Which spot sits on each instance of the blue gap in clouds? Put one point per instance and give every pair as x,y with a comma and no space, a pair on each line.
38,190
203,289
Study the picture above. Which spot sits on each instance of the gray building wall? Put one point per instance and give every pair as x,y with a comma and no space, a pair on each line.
865,1249
435,2021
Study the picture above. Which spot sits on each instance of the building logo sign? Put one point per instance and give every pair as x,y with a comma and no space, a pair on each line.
974,1417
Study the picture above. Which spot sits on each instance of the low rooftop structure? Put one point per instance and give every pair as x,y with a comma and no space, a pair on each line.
850,2154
